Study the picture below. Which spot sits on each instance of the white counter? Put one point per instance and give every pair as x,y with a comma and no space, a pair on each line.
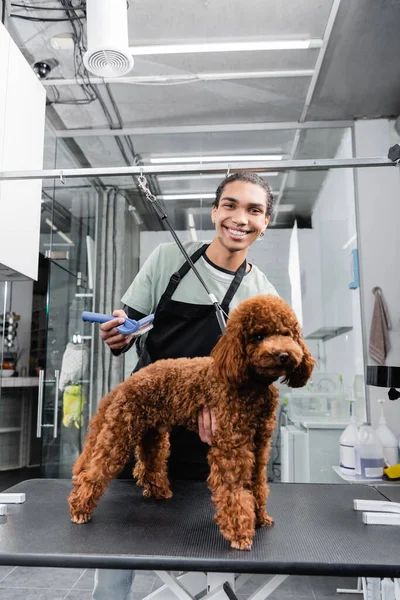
19,382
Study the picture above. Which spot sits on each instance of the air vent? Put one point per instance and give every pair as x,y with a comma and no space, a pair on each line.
108,52
108,63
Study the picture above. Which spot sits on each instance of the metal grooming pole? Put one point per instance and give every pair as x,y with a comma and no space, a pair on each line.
259,167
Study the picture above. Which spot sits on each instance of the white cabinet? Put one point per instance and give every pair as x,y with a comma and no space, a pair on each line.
22,119
309,451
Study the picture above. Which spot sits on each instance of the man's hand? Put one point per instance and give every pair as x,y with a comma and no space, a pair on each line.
207,425
110,334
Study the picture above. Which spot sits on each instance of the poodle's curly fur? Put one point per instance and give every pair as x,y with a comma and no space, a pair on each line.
262,343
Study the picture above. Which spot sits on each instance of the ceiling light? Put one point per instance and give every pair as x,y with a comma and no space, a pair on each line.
186,196
203,159
60,233
285,207
226,47
50,224
65,237
188,177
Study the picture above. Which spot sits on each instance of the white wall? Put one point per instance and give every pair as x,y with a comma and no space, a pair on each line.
22,116
378,191
326,266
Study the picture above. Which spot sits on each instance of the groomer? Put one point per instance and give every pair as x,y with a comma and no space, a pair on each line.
185,323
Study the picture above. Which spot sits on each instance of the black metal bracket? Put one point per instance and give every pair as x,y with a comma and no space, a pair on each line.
229,591
394,153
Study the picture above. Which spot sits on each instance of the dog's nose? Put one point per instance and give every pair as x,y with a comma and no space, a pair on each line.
283,357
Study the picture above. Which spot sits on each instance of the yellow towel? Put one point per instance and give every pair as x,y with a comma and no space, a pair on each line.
74,401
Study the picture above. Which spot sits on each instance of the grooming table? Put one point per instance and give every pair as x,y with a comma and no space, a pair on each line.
316,532
390,492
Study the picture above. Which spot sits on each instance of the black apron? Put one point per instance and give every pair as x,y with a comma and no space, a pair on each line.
186,330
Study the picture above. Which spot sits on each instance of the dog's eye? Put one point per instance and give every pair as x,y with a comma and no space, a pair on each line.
260,337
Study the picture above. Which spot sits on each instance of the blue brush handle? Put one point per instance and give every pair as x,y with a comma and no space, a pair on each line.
93,317
128,327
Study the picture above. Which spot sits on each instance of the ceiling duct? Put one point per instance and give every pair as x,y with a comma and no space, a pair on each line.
108,52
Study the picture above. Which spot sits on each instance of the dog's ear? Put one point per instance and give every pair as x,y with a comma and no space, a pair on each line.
300,375
229,356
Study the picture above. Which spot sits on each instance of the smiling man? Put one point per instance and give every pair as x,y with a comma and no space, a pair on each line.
185,323
241,213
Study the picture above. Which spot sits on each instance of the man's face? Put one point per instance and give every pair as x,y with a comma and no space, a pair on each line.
240,216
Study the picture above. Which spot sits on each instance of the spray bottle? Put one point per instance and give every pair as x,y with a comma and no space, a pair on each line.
347,442
388,439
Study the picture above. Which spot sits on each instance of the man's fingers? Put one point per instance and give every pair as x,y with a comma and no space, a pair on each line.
205,425
214,424
109,325
202,431
119,340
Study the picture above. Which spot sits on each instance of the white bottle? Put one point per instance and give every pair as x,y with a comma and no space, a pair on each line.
388,440
347,442
368,452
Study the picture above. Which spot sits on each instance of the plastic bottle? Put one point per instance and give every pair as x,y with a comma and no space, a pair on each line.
347,442
368,452
388,439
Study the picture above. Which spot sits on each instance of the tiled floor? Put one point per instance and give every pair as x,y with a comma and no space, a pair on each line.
34,583
37,583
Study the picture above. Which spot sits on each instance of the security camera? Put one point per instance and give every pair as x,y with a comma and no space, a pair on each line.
43,68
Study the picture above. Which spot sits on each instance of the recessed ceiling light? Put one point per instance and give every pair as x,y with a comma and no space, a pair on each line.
186,196
285,207
226,47
188,177
203,159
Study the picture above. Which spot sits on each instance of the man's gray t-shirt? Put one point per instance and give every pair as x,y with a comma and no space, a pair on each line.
150,283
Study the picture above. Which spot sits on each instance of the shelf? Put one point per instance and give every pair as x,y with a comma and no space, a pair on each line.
10,429
353,479
19,382
327,333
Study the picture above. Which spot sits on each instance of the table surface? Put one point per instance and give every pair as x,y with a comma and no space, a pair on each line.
391,492
316,532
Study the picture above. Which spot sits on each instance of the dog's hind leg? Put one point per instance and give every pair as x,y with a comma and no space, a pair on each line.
231,468
112,449
94,428
151,470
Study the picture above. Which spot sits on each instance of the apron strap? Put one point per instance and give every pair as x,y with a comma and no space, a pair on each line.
237,280
176,277
179,275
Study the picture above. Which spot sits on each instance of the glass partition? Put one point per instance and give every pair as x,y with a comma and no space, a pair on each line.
68,254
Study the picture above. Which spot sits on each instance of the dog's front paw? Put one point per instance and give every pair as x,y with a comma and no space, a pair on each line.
157,493
264,520
81,518
242,544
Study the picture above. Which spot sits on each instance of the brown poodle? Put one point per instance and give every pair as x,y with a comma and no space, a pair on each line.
262,343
